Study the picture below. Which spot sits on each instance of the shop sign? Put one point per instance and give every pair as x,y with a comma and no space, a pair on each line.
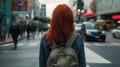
19,5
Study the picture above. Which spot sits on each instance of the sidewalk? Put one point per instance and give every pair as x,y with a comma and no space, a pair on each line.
9,40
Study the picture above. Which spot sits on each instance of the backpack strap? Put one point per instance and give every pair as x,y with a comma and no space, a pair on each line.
54,45
71,39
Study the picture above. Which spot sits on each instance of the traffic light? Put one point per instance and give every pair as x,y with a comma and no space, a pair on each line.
80,5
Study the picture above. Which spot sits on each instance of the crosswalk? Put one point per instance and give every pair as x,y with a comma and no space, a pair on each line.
101,44
20,44
36,43
31,49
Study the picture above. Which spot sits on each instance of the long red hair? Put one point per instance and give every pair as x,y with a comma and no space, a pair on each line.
61,25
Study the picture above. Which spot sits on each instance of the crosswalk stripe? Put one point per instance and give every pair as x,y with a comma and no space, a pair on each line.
109,44
96,58
95,44
87,44
98,44
102,44
33,44
87,65
115,44
21,44
9,44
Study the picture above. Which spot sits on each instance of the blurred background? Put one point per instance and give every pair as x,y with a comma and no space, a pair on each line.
97,21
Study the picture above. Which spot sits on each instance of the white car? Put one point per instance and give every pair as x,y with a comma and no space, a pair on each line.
116,32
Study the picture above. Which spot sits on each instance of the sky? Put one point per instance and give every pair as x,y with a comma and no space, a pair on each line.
51,4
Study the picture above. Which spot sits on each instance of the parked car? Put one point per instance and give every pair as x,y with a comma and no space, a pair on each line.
92,31
116,32
78,27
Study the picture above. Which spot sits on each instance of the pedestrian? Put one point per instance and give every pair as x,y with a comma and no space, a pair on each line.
14,31
3,32
28,31
60,35
0,31
33,30
40,28
0,35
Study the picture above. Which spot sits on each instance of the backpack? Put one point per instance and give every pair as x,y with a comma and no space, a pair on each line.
63,56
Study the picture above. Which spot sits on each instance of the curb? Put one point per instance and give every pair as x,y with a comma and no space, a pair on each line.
12,41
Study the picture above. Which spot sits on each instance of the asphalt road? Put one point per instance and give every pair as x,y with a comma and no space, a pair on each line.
103,54
98,54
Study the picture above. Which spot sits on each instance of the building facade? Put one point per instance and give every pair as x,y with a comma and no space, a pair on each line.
5,13
110,11
89,10
73,5
43,11
39,8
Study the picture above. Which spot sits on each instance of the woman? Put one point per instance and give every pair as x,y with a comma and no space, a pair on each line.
62,27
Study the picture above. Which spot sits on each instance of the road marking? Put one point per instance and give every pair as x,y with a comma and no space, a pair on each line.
87,65
9,44
33,44
102,44
95,44
21,44
87,44
115,44
98,44
92,57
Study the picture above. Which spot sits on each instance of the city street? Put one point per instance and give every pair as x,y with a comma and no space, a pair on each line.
103,54
26,55
98,54
89,17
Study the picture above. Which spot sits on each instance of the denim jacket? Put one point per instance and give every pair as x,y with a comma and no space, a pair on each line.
77,45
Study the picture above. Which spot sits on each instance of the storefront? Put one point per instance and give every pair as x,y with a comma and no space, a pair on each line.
5,13
90,16
116,19
2,15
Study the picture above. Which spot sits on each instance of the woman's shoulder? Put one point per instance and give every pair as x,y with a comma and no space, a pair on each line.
43,39
79,37
79,40
44,42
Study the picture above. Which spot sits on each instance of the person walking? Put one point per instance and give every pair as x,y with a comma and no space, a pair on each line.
62,34
3,32
28,31
33,30
14,31
0,31
40,28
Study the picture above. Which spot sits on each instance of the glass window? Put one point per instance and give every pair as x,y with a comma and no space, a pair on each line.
92,26
89,26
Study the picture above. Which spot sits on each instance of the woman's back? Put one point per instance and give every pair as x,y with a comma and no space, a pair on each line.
77,45
60,30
